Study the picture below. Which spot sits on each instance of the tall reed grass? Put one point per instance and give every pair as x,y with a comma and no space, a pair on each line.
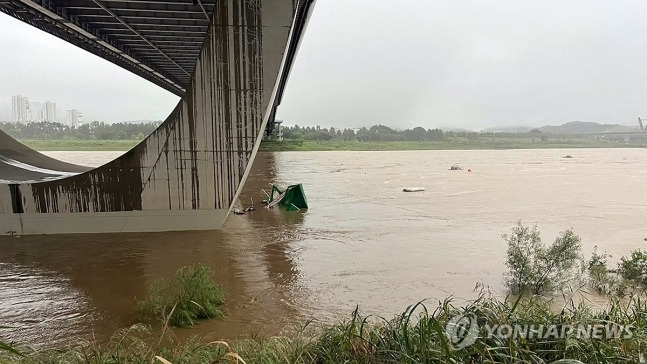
418,335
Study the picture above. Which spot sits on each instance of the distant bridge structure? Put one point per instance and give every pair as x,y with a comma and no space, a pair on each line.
229,61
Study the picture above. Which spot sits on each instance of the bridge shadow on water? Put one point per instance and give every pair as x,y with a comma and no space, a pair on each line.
63,287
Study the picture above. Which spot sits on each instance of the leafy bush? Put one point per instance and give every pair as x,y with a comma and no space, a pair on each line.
600,277
634,269
536,267
598,270
191,295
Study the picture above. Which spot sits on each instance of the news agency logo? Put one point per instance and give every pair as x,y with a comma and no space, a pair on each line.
464,330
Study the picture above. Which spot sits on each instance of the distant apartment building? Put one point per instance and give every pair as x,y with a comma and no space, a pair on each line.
74,117
49,111
20,110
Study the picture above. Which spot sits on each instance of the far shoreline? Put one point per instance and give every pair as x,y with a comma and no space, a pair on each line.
480,143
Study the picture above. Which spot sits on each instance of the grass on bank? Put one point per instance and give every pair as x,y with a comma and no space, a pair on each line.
342,145
418,335
478,143
181,301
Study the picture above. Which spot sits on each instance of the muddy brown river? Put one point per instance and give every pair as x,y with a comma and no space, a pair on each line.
362,242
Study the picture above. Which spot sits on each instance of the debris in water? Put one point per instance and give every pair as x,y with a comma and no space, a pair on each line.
294,198
413,189
250,208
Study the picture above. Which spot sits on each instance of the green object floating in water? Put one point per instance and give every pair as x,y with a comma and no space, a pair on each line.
293,197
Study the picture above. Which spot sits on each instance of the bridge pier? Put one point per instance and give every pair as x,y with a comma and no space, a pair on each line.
187,173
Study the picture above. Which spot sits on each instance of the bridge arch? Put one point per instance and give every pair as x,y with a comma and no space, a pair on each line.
187,173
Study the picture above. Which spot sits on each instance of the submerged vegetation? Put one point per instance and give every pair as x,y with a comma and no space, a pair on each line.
183,300
600,276
536,267
628,278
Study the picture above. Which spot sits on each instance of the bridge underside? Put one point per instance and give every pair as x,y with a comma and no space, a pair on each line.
187,173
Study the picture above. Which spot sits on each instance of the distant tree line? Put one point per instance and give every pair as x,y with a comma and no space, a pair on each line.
94,130
374,133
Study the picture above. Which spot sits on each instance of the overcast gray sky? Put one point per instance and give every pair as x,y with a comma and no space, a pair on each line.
462,64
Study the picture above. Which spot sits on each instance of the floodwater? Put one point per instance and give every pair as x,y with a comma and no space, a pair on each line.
362,242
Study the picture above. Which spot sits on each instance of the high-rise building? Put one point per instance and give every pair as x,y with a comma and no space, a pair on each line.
49,111
74,117
20,110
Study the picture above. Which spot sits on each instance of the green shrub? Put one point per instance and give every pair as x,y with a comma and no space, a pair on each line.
191,295
599,273
634,269
536,267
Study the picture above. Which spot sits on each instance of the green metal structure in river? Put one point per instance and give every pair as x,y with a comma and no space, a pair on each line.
293,197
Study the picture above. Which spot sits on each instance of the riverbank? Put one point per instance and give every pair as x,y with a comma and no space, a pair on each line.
478,143
80,145
486,330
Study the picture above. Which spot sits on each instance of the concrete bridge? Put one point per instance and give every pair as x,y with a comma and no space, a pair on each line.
229,61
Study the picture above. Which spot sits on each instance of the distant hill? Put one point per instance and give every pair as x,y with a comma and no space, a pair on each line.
572,127
575,127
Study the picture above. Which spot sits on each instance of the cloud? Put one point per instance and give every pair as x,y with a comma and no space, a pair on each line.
469,64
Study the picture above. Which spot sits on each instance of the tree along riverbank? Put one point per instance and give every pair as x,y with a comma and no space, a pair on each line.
458,143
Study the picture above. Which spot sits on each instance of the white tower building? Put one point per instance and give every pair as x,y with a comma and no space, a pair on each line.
49,111
20,110
74,117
